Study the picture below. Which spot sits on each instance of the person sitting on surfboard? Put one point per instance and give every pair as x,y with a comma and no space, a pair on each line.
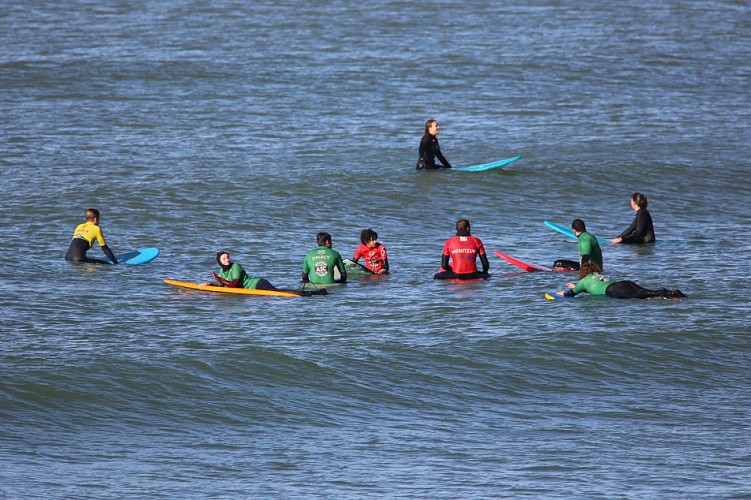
589,248
319,264
592,281
373,252
430,149
83,239
463,250
641,229
233,275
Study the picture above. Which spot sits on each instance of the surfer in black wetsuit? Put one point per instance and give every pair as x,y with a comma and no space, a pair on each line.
641,229
430,149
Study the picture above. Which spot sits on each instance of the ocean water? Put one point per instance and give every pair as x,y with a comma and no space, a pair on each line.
251,126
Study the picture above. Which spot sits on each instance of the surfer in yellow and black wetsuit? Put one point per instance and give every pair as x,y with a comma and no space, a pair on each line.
83,239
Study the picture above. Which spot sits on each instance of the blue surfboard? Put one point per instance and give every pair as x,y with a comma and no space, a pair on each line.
568,232
488,166
136,257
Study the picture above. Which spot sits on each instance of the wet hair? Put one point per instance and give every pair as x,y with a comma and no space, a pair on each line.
588,268
323,238
578,225
639,199
92,213
429,122
462,224
367,235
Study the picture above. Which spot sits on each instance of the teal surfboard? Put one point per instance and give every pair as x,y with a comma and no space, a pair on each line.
137,257
568,232
488,166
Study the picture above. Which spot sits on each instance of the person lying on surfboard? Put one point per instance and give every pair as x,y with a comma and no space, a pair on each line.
463,250
233,275
589,248
592,281
641,229
83,239
373,252
430,149
318,265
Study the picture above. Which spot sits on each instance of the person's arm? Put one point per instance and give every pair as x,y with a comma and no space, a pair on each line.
629,230
234,283
342,270
581,286
485,263
439,155
445,262
385,268
109,254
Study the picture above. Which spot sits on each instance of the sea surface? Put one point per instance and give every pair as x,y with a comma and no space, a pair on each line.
249,127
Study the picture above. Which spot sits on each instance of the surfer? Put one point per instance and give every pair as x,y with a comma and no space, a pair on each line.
233,275
430,149
463,249
641,229
373,252
83,239
592,281
589,248
319,264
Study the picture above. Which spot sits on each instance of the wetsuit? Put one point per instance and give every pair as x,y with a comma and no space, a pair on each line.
375,258
83,239
463,249
589,251
641,229
429,150
598,284
236,277
318,266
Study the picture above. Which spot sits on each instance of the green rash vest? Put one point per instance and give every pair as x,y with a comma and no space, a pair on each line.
588,245
236,271
319,265
593,284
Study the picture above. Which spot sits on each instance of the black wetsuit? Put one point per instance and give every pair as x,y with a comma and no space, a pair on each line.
641,229
428,152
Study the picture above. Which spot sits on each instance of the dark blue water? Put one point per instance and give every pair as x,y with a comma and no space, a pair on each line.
250,127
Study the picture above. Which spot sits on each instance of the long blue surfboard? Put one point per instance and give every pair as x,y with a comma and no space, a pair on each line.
488,166
568,232
137,257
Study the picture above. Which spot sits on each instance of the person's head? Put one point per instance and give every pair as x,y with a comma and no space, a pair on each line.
92,215
638,200
588,268
431,127
324,239
578,226
368,237
462,227
223,259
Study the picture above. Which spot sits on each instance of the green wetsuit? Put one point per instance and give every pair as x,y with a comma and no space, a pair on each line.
593,284
236,271
319,265
588,245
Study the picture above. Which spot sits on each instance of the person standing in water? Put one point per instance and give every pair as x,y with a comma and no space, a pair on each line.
430,149
641,229
84,237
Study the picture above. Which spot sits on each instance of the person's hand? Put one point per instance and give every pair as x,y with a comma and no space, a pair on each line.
201,285
214,275
560,294
570,285
305,279
615,241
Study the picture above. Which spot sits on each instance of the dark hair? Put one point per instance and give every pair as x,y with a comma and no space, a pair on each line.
366,235
639,199
323,238
588,268
578,225
427,123
92,213
462,224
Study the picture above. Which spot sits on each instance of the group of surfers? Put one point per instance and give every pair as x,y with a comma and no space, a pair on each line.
458,258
